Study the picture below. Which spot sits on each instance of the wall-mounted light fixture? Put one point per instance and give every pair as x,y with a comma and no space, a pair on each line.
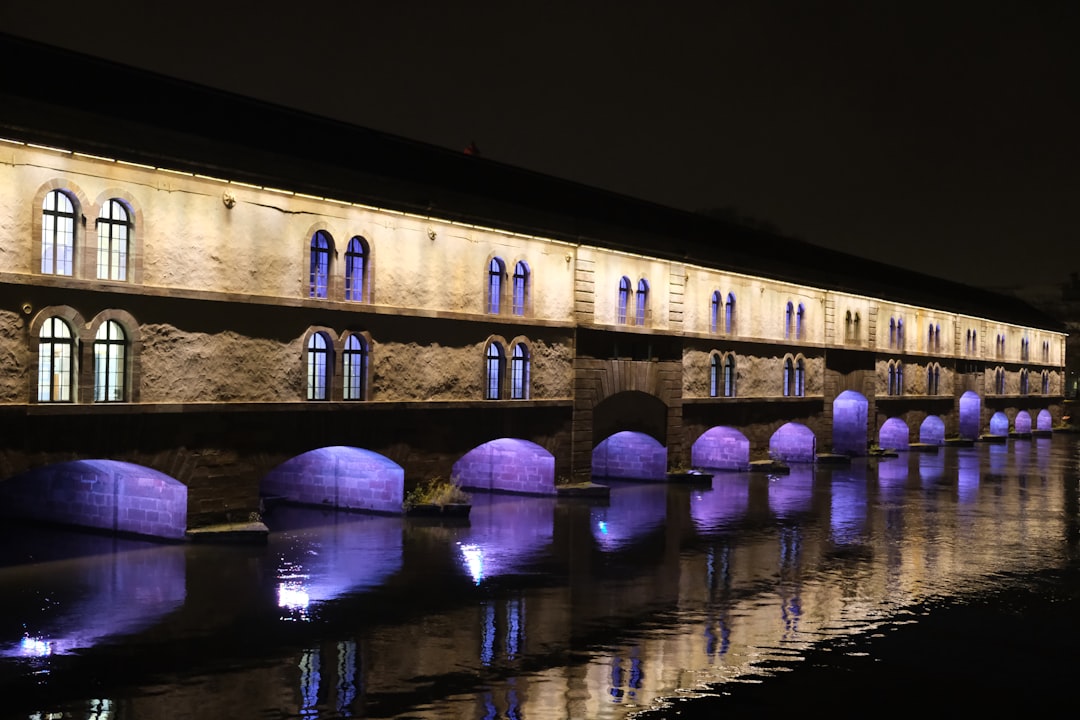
431,234
229,199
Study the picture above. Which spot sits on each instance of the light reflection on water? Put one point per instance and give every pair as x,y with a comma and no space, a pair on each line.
535,608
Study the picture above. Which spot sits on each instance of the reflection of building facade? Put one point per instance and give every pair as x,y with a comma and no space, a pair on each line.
209,287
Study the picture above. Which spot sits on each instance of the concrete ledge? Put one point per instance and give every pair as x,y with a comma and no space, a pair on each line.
923,448
995,439
769,466
959,442
249,532
585,489
833,459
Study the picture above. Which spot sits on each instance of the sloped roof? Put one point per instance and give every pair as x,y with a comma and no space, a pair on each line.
105,108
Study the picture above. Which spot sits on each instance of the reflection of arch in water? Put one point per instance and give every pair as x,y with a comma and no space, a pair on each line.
724,504
967,474
630,455
505,534
932,431
894,435
1044,421
893,475
793,442
631,513
1022,423
999,457
848,511
970,409
104,494
931,467
792,493
999,424
721,448
340,477
507,465
850,423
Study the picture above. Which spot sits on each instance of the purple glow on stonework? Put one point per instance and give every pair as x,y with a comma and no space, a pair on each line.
932,431
630,455
1044,421
507,465
793,442
999,458
999,424
792,493
931,467
894,435
726,503
1022,423
967,475
104,494
970,408
115,593
721,448
848,510
850,423
504,535
339,477
632,512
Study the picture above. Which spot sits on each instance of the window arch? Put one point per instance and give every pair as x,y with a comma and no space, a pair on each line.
892,332
933,377
900,333
1025,349
642,301
715,311
896,378
318,366
1045,382
322,246
354,365
1046,351
58,234
496,276
714,374
937,336
849,327
624,299
56,362
999,380
114,226
800,322
357,262
729,314
728,384
519,372
495,363
521,287
789,376
110,363
789,319
794,376
1023,381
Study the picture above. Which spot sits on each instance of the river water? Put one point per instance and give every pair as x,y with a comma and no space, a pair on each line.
923,576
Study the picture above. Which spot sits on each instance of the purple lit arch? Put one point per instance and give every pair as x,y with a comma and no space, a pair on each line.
793,442
932,431
999,424
1022,423
340,477
630,455
721,448
850,423
970,410
1044,421
507,465
894,435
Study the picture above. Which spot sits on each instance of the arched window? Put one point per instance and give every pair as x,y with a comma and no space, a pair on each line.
1025,349
354,364
891,389
800,376
729,375
642,301
900,333
521,287
714,375
318,366
856,323
899,378
800,322
495,360
624,299
974,342
57,234
789,377
789,319
715,310
56,362
729,314
892,332
321,246
110,363
967,342
849,326
356,264
1024,381
1045,382
496,273
114,234
930,338
937,336
999,381
519,372
933,375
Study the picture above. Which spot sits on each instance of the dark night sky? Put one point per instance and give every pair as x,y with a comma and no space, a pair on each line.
938,136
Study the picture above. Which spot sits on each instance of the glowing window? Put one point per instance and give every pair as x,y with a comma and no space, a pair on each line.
110,363
318,365
729,375
642,301
800,322
114,234
933,374
356,255
900,333
937,336
521,287
789,315
354,366
624,299
800,377
321,245
496,272
789,377
892,332
729,314
999,381
519,373
57,234
715,310
714,375
56,361
1024,381
495,362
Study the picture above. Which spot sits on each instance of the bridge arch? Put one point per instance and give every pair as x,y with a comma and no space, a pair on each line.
630,410
721,448
793,442
342,477
1022,422
630,455
121,497
999,424
850,423
932,431
1044,420
970,411
894,434
507,465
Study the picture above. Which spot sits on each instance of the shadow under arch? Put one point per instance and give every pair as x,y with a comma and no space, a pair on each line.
507,465
999,424
793,442
932,431
850,423
721,448
970,409
630,410
1022,423
112,495
631,456
894,435
339,476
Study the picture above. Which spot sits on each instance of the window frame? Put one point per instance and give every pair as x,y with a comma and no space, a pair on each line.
47,361
519,371
319,366
51,220
111,363
357,264
114,240
321,250
355,360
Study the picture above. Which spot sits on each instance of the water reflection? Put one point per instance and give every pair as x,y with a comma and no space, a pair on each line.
538,608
